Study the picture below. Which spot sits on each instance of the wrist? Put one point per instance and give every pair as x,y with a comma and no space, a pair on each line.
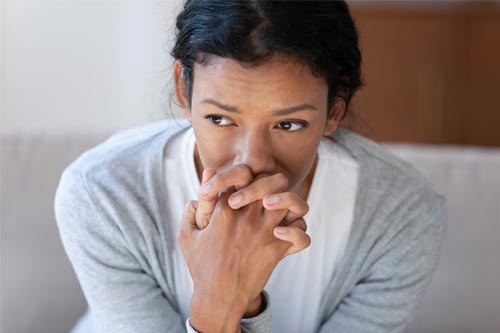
209,316
255,307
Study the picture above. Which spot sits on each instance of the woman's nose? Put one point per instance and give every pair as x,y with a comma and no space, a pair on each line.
255,150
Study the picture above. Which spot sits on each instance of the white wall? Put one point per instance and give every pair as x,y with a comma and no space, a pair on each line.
2,63
85,66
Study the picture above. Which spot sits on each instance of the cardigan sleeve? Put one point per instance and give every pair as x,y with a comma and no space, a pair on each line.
385,300
121,296
258,324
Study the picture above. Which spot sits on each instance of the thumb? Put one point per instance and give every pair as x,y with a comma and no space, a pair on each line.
205,207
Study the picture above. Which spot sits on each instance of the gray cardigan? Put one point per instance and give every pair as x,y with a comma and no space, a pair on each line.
109,207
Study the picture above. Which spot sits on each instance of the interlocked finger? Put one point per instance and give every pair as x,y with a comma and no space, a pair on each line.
294,234
258,189
297,207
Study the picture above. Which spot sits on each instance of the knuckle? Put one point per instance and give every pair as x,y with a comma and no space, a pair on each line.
300,239
307,241
300,203
302,225
300,207
217,179
244,172
202,222
305,208
220,181
282,179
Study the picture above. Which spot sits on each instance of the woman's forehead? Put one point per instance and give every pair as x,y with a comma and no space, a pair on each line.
278,77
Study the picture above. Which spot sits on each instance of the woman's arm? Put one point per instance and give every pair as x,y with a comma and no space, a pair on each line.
385,300
121,296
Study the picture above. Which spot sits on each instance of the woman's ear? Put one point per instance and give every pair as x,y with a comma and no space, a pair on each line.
334,116
181,93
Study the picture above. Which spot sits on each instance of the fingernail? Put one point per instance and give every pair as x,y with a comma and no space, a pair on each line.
280,230
274,199
205,189
235,199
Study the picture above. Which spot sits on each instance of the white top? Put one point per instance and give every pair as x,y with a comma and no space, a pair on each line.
328,225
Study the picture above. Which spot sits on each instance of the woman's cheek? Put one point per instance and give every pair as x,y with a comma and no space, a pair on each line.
216,155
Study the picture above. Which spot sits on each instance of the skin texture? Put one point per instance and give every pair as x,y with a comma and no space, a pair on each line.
257,132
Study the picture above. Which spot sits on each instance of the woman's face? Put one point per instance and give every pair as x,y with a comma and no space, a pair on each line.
270,117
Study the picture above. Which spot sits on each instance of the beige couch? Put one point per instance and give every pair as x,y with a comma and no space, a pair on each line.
40,294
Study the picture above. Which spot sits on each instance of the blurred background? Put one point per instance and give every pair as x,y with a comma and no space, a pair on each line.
73,72
432,71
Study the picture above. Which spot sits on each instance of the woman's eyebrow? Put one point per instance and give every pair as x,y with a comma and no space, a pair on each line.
282,112
279,112
220,105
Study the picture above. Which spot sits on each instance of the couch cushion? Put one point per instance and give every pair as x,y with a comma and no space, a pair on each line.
464,295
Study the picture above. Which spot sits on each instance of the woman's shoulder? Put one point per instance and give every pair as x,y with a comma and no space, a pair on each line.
124,172
394,190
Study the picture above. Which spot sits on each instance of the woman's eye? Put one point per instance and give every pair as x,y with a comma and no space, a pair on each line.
219,120
291,125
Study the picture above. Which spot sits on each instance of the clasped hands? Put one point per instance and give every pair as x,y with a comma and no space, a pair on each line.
232,238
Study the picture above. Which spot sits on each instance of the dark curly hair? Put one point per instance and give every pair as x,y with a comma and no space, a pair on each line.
321,33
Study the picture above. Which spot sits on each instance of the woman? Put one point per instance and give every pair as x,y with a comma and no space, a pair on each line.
263,86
